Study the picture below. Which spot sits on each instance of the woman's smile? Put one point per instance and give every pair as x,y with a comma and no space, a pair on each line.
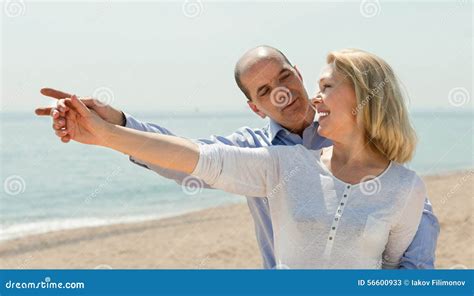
323,114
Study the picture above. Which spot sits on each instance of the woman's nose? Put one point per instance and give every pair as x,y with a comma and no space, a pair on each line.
316,100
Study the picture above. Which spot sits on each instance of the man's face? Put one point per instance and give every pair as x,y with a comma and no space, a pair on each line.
277,91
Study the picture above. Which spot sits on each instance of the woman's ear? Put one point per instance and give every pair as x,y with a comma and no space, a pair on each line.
298,72
256,110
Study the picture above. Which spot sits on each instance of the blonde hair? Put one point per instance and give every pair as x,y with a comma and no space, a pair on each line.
381,106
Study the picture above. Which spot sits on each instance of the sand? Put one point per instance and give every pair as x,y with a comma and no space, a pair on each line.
218,238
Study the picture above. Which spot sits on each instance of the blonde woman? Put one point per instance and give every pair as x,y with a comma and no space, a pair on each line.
352,206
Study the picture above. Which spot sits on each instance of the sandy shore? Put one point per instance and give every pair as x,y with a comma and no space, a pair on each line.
221,237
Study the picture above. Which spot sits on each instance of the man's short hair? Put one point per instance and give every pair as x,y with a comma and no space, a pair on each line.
237,70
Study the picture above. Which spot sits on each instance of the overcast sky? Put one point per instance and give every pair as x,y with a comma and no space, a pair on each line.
180,55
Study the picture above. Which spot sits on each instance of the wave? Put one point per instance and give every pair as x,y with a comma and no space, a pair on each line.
19,230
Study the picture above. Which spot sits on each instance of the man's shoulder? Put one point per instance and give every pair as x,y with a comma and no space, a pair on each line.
246,136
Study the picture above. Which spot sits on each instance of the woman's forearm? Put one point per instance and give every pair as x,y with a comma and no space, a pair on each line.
165,151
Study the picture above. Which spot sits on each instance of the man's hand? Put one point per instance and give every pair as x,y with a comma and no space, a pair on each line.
106,112
83,124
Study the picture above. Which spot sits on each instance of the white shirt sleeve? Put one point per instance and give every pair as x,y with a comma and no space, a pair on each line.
244,171
403,232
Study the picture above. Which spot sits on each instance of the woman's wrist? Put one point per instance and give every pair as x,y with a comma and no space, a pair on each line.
106,134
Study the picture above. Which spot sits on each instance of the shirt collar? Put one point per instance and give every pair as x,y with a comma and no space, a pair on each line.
275,128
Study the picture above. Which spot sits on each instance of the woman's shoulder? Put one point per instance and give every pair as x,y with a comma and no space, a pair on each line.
407,180
404,171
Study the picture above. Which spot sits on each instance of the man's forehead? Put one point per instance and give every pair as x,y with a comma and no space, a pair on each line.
262,69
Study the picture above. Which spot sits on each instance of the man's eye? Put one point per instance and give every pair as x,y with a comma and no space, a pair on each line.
263,92
283,77
326,85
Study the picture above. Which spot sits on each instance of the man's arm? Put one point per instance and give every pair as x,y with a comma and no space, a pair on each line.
421,252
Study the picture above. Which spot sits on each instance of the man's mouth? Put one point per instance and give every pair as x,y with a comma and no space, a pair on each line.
289,105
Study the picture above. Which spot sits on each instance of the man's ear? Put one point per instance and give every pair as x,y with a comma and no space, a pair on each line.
298,72
256,110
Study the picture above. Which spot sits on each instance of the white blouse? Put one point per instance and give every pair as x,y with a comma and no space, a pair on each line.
319,221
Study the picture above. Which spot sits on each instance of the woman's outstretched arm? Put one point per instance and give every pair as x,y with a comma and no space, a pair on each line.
85,126
168,152
243,171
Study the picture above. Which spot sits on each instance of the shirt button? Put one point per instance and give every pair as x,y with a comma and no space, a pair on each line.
342,203
330,238
345,195
336,219
333,228
338,211
348,186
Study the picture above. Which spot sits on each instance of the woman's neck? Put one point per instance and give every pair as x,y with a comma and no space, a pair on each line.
354,161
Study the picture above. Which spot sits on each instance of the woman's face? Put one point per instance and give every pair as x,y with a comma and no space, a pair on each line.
336,103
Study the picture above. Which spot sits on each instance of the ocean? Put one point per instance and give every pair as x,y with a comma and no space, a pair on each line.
48,185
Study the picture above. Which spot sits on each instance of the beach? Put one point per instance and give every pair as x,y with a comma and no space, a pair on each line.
218,238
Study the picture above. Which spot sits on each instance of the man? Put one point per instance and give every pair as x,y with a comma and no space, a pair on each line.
274,88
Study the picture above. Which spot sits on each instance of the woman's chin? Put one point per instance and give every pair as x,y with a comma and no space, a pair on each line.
322,131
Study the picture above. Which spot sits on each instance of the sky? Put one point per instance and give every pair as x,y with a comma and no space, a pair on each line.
178,56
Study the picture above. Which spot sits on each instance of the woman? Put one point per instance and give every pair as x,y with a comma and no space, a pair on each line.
351,206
